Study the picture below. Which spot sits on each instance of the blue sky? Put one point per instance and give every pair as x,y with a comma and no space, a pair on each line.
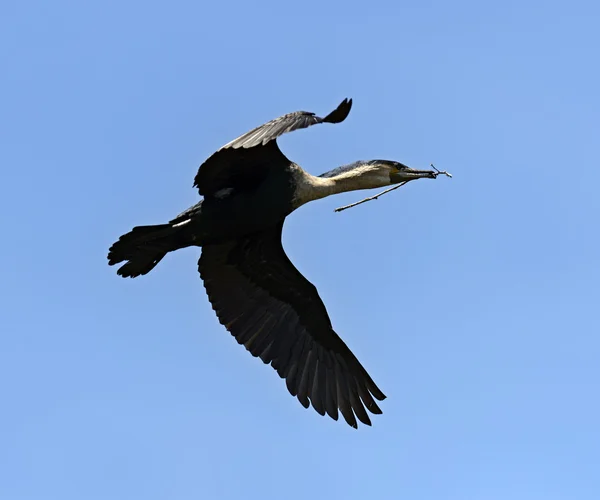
472,301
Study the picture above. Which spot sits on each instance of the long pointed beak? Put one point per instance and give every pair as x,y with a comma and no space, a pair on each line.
409,174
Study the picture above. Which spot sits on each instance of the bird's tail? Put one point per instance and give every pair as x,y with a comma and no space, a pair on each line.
144,247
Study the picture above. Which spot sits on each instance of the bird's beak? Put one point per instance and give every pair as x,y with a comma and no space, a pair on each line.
406,174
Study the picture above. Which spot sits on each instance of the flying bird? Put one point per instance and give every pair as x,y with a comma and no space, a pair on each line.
248,188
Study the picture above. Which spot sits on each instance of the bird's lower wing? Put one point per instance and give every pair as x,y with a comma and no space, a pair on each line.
270,308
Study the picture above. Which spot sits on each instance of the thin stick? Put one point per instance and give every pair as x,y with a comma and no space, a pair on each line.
440,172
370,198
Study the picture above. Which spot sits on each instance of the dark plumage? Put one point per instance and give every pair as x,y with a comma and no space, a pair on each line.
249,187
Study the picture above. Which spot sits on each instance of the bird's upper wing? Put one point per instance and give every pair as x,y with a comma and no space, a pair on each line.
270,308
247,159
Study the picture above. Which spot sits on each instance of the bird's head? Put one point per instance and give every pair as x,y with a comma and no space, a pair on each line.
397,172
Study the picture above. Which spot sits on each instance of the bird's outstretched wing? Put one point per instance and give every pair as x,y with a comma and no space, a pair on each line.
270,308
248,159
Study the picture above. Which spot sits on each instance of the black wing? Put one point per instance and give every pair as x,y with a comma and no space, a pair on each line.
270,308
245,161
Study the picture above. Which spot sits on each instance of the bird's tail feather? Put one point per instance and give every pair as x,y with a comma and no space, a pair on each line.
144,247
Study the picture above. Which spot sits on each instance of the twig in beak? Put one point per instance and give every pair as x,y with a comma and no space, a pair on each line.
440,172
437,172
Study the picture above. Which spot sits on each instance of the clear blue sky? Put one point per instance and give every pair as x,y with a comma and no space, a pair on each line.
472,301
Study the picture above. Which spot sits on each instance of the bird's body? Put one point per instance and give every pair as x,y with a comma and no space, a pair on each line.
249,188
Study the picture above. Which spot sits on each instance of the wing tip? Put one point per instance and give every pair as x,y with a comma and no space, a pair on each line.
340,113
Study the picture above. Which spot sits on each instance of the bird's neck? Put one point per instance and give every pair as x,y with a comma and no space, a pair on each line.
310,187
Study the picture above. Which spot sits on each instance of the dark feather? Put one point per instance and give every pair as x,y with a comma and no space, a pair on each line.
330,394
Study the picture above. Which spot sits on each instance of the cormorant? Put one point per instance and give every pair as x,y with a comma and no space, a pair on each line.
249,187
